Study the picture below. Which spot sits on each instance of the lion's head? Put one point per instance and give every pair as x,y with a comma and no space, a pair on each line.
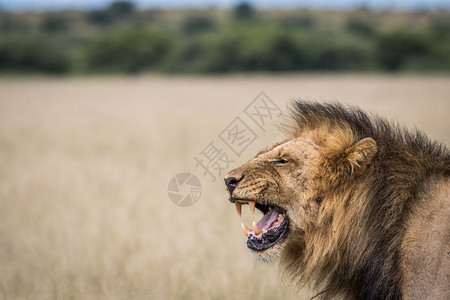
289,180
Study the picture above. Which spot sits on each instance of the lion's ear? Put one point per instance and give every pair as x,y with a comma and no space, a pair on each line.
359,155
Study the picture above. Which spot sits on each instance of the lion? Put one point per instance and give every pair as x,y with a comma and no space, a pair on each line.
354,206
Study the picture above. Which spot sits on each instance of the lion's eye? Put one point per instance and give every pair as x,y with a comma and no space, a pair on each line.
279,161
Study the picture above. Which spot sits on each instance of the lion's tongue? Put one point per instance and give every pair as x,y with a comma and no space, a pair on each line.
268,219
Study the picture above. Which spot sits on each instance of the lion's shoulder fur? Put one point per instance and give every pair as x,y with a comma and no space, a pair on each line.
359,250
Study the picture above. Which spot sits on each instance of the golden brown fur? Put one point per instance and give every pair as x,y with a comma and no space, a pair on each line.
365,199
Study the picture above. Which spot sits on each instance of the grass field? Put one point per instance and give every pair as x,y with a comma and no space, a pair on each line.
84,168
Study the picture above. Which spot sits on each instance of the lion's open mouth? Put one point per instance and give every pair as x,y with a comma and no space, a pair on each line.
269,230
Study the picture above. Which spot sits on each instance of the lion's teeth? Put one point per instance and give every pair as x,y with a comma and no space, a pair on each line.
256,230
246,230
252,206
238,208
280,217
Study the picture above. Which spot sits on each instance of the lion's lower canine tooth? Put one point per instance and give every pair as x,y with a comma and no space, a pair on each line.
256,230
246,230
238,208
252,206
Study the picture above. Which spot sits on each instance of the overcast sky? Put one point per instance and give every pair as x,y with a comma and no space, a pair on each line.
342,4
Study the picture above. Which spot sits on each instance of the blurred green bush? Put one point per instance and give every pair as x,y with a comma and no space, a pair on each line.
440,26
32,53
128,50
360,26
329,51
243,12
195,24
55,22
254,48
301,21
397,48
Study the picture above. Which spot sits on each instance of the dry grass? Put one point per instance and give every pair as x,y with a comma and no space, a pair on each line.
85,163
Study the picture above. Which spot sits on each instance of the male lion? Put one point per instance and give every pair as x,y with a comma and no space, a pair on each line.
355,206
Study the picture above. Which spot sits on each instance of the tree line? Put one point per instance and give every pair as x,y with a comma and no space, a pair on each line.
122,39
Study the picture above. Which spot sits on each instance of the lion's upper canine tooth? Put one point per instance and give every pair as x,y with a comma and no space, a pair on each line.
246,230
252,206
256,230
238,208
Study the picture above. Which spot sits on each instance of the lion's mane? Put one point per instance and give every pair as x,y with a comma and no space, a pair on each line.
358,250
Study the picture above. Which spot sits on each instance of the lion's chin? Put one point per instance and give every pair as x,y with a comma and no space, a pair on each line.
269,255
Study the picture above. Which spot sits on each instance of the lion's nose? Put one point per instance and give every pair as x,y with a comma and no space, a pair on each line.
231,183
